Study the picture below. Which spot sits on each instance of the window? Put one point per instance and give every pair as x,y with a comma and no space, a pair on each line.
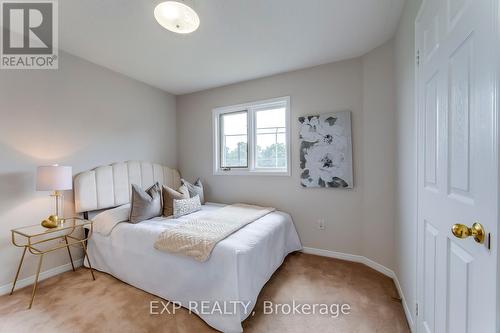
234,139
252,138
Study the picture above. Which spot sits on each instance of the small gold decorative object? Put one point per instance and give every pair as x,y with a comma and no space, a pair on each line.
48,223
54,218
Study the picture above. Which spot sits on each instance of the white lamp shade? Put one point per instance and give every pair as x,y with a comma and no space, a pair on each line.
54,178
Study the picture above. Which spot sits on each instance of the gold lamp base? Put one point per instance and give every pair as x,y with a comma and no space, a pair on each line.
53,220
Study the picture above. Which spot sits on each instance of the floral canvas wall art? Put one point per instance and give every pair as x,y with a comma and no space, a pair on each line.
326,150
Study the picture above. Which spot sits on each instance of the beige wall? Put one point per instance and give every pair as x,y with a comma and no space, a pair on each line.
378,151
406,205
80,115
364,86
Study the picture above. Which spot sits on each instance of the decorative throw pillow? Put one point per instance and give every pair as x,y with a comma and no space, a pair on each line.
145,204
169,194
186,206
195,189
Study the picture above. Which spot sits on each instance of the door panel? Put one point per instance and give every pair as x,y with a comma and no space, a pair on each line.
431,144
459,120
431,38
455,10
430,252
459,281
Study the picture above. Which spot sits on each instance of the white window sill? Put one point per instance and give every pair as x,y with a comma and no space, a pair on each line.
281,173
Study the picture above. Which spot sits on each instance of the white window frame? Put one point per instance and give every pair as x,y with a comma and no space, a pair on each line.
251,108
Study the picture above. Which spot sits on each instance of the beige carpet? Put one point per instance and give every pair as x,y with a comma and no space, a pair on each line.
72,302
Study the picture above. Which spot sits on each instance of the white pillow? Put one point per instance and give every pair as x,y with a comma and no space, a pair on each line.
104,222
186,206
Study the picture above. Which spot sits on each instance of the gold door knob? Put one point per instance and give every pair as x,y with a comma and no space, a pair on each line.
463,231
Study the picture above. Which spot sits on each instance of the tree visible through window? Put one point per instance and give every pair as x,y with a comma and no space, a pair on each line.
234,139
236,157
271,138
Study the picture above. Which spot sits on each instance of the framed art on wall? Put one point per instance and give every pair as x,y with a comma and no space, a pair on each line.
326,150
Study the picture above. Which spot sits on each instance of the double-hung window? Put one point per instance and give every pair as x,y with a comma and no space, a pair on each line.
253,138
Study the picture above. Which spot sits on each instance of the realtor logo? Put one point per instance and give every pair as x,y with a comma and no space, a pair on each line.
29,34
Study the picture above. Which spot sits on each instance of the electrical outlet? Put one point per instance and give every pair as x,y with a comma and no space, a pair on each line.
321,224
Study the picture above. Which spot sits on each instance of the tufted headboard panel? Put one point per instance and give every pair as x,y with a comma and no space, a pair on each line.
110,186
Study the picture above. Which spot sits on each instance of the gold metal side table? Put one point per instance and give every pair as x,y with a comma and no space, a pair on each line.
40,241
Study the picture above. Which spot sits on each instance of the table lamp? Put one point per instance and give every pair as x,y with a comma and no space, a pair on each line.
54,178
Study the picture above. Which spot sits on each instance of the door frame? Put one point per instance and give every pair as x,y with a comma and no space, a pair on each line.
418,137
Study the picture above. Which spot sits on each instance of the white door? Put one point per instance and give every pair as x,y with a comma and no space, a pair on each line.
457,165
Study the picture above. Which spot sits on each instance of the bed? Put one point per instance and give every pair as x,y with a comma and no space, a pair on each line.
235,273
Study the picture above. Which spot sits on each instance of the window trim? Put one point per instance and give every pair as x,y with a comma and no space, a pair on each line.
251,109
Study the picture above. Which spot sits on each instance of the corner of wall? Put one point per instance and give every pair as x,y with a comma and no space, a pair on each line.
379,147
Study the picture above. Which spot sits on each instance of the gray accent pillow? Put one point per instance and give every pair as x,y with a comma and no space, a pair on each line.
169,194
195,189
145,204
186,206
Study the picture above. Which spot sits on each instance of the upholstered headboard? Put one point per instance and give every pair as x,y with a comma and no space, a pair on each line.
110,186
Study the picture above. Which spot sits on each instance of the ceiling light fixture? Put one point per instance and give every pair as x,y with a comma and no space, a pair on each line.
177,17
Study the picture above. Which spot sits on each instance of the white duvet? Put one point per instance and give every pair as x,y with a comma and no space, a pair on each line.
237,270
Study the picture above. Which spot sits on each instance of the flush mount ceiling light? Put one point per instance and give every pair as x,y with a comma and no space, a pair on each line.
177,17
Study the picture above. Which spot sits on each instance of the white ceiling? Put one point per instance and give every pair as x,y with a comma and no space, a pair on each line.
237,40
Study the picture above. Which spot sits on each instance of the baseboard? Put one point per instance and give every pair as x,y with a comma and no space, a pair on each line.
351,257
409,317
5,289
372,264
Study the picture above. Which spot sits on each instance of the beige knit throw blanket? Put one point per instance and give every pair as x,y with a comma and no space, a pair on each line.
197,237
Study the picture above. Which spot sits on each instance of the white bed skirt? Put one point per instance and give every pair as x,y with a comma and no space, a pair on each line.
237,270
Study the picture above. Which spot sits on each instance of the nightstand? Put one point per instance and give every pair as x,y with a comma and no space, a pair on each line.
40,241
